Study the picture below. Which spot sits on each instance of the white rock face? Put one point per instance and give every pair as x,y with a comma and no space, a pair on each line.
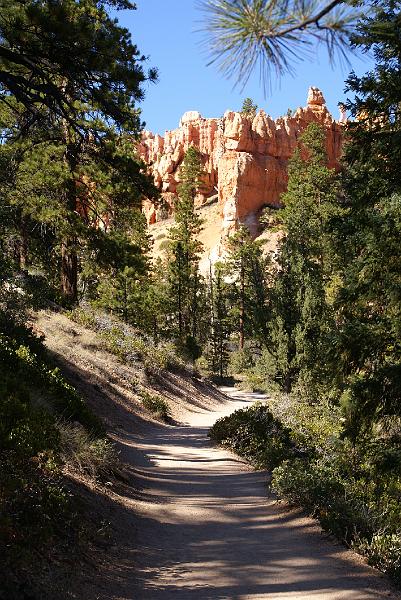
189,116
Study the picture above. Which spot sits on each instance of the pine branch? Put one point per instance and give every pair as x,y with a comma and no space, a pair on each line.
274,35
303,24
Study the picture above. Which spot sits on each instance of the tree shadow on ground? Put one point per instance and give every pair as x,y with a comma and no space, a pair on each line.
196,524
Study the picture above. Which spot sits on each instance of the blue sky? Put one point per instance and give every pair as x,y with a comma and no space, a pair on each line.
167,32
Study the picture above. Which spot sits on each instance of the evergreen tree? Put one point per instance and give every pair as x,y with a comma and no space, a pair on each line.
249,108
217,351
301,312
156,301
185,248
118,272
57,57
367,349
107,184
72,77
249,269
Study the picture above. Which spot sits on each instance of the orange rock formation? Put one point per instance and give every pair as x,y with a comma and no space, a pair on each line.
245,159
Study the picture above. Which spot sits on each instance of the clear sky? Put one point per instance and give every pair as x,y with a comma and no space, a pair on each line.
168,32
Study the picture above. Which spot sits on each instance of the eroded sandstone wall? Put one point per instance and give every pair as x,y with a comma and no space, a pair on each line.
245,159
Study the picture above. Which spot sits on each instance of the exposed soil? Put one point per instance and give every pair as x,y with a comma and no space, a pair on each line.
193,521
209,235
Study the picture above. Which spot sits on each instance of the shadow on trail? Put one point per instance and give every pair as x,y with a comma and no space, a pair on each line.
218,535
206,529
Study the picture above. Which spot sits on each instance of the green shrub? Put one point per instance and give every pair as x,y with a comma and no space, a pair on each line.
156,405
24,430
164,245
129,348
34,504
260,376
202,365
113,342
24,364
384,552
127,344
82,316
240,361
253,382
255,434
342,504
37,511
362,511
315,427
353,489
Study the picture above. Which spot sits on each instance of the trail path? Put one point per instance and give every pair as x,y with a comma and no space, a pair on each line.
208,530
195,522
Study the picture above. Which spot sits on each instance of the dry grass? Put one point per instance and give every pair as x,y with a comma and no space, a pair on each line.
84,454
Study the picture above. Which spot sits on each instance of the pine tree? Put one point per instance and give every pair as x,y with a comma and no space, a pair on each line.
184,249
270,35
118,272
71,78
301,312
217,349
92,209
249,108
249,270
58,57
367,349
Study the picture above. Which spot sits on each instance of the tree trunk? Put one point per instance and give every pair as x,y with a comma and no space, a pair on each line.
287,385
125,309
195,306
69,271
180,319
242,307
23,245
69,256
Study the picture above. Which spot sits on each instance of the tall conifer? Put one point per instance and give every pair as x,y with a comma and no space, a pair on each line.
185,249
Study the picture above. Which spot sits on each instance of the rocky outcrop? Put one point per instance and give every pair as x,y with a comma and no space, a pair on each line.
245,159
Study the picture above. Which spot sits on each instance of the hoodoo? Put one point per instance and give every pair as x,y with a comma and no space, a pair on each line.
244,158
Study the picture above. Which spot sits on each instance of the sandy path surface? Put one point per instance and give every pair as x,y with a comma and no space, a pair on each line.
208,531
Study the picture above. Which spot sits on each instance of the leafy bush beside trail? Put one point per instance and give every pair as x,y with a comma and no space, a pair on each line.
353,489
156,405
256,435
26,365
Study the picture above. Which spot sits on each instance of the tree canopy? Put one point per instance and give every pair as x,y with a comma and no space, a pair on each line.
57,57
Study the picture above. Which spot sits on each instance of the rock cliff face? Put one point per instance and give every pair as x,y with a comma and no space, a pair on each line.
244,158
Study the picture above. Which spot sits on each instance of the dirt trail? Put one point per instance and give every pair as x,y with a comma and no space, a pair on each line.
196,523
210,533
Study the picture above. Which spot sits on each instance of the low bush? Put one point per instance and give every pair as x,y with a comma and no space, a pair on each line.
34,503
156,405
38,512
383,551
255,434
353,489
84,317
315,427
342,504
240,361
25,365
